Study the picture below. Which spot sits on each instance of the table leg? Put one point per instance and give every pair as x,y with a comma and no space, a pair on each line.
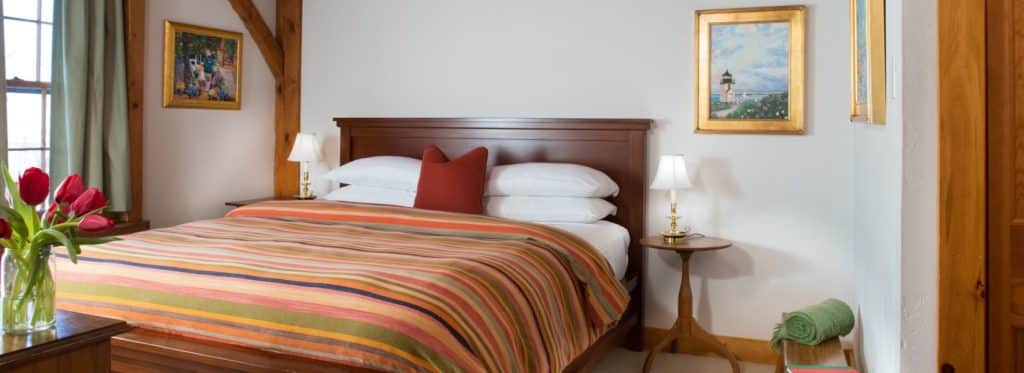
673,334
686,326
702,336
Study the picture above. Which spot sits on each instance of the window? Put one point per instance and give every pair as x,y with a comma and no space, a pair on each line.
28,35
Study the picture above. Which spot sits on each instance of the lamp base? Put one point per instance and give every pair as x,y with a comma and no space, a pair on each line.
673,236
304,198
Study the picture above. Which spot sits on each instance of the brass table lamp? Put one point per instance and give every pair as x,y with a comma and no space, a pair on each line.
305,150
672,176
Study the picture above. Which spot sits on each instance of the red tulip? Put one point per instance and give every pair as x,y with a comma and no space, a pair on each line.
95,224
34,185
5,229
90,200
48,216
69,189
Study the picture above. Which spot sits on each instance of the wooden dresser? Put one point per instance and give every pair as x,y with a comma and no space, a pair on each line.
79,343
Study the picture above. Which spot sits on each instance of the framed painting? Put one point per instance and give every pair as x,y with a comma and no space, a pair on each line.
202,67
750,70
867,65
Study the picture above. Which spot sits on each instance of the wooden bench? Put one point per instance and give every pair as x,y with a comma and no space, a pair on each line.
830,352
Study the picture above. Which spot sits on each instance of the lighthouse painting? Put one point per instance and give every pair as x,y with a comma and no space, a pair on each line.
750,70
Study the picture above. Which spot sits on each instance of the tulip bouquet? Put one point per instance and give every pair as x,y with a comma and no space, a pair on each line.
28,236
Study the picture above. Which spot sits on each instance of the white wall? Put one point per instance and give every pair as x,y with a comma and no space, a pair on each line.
920,223
896,203
195,160
787,201
876,215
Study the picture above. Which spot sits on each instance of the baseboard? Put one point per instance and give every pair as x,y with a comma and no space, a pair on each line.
746,349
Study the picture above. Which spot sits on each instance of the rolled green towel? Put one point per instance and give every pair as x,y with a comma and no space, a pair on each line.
814,324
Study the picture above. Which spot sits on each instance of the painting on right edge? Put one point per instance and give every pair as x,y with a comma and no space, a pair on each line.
867,65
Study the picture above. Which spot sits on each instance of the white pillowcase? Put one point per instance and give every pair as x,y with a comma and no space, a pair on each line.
549,179
549,209
366,194
392,172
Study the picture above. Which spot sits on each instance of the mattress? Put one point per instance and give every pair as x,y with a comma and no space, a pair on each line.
378,287
610,239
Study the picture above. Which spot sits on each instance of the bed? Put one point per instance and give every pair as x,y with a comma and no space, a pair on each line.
422,296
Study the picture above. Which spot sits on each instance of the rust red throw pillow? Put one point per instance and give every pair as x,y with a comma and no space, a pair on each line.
455,185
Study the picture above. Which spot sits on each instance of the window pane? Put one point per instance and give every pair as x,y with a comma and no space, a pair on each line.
19,160
24,120
47,11
46,126
20,49
26,9
45,52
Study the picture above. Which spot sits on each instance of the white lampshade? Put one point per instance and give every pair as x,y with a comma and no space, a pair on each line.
671,173
306,148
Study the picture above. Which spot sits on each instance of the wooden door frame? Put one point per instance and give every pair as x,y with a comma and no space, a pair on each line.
1002,95
962,112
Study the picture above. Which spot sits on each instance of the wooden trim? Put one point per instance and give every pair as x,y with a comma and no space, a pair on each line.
288,96
502,123
21,83
746,349
962,195
1003,81
751,350
135,66
260,32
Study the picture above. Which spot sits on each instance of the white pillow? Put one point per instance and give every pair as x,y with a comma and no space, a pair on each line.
549,209
365,194
549,179
392,172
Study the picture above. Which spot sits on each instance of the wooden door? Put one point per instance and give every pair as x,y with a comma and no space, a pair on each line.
1005,45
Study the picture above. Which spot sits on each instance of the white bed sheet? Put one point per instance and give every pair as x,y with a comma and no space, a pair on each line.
611,239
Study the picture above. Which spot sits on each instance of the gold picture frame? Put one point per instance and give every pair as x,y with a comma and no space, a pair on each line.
762,97
202,67
867,61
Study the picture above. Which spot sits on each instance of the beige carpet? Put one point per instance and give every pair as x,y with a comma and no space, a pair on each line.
622,360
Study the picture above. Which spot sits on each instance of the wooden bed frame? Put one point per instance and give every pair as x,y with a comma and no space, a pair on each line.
615,146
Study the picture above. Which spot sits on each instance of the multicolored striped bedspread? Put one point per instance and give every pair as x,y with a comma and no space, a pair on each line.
387,288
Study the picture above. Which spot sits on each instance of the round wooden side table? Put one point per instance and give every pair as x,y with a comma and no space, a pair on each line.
686,327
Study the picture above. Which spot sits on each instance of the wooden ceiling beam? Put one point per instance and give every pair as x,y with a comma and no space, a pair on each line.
288,99
265,40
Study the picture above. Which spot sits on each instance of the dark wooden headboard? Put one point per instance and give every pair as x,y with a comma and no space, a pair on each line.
616,146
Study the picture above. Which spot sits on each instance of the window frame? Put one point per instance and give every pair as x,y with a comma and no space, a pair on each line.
38,86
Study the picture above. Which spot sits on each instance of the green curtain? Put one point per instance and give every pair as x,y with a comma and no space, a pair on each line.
89,127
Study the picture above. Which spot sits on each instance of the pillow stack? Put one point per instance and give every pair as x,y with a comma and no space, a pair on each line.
538,192
389,180
549,192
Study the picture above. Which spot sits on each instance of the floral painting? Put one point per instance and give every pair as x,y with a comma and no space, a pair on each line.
202,67
750,71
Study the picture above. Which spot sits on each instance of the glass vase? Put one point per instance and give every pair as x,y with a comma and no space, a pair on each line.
28,296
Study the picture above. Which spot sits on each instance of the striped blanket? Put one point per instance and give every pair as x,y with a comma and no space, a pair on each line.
377,287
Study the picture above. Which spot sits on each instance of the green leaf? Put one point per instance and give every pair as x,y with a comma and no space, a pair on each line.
16,221
63,240
11,186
